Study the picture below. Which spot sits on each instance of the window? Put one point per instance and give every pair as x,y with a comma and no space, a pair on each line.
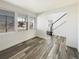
10,24
6,21
31,22
25,23
2,24
22,23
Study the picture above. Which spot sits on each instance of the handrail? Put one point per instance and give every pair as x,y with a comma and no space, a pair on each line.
51,30
59,25
59,18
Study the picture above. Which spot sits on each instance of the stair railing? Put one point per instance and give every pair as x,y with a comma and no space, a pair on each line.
51,28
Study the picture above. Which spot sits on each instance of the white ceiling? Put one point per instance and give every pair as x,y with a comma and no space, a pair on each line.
39,6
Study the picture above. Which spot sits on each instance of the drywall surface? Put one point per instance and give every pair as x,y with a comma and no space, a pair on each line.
9,7
12,38
68,29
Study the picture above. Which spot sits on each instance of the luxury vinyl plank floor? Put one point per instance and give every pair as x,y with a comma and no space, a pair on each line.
43,50
40,49
72,53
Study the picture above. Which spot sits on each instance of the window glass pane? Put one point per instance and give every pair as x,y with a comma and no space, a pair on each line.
10,23
2,23
26,23
21,23
31,22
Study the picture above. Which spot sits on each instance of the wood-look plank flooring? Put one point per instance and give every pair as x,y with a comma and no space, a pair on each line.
43,50
72,53
39,48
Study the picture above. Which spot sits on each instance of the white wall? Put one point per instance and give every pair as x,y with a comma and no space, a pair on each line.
69,29
11,38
